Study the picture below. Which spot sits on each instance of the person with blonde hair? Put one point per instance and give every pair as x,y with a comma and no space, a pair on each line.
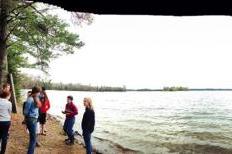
87,124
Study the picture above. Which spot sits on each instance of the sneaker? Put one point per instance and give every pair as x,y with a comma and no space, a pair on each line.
69,143
44,134
67,140
38,144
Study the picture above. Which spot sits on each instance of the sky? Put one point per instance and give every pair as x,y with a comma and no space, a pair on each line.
149,52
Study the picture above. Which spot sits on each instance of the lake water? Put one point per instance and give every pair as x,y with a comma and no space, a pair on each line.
156,122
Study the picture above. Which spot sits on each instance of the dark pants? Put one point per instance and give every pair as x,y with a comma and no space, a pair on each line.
42,118
68,128
31,126
87,139
4,128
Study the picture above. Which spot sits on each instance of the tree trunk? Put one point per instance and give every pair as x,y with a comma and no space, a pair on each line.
13,96
3,30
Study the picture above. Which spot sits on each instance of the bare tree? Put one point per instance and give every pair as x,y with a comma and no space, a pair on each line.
79,18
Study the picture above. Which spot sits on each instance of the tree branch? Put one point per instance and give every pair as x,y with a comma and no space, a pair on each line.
35,43
10,32
21,6
13,17
37,11
8,35
9,45
27,4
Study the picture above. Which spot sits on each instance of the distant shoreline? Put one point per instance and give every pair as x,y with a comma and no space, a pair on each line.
30,82
161,90
146,90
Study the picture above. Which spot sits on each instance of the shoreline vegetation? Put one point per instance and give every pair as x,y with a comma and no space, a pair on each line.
173,90
29,82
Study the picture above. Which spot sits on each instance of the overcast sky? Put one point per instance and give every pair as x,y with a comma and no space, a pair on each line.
150,52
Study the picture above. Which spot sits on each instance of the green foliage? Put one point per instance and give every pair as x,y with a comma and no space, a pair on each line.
35,38
41,38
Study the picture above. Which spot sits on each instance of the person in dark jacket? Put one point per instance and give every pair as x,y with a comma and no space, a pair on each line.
70,112
88,123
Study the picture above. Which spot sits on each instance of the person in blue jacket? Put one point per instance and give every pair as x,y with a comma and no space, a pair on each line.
31,113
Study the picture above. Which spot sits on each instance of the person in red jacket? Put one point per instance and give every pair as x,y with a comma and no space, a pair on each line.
70,112
43,110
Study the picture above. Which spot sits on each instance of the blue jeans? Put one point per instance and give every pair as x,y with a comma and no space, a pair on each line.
31,126
68,128
4,128
87,139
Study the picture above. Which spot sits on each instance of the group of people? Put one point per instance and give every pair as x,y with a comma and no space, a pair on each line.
35,110
87,124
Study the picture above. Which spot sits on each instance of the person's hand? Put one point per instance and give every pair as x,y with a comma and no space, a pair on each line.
63,112
37,101
67,111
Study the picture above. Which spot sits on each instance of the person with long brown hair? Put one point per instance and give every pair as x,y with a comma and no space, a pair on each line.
43,110
87,124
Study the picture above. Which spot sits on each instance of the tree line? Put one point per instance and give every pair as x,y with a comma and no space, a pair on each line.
28,82
175,88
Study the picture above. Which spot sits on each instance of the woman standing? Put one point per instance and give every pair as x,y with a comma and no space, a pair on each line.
88,123
43,110
5,118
